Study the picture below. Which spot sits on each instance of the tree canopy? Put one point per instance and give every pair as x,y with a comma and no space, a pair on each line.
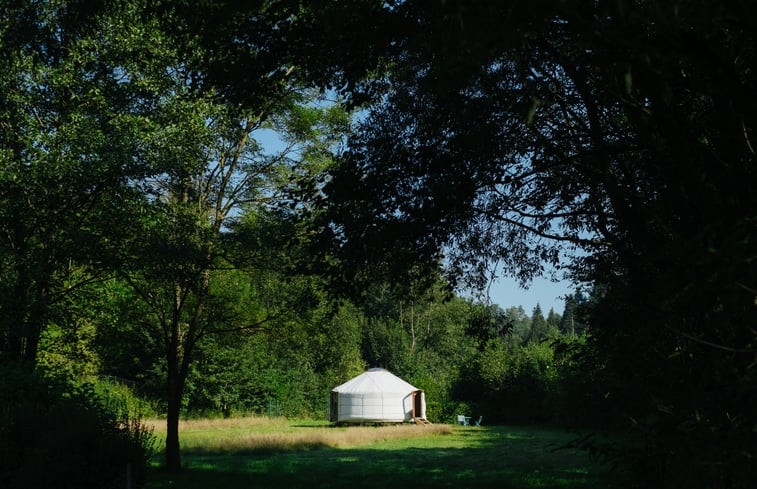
612,140
72,127
618,134
522,132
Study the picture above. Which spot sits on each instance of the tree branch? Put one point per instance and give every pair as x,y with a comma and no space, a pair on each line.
708,343
247,327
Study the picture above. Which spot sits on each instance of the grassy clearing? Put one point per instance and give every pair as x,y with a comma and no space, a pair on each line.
438,456
271,435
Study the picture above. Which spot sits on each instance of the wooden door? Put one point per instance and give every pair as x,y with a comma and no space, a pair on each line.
418,404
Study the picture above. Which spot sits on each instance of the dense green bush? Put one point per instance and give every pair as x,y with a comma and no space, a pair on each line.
512,383
119,398
56,433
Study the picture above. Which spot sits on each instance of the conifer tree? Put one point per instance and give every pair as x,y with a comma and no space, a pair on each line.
539,328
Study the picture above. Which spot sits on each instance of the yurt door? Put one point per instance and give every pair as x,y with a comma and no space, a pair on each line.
417,404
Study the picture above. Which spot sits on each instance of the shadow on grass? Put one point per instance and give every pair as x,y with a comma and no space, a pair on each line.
496,458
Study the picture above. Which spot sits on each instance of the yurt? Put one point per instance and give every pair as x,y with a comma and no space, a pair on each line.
377,396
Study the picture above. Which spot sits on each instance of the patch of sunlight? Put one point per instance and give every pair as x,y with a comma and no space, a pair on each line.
347,459
514,436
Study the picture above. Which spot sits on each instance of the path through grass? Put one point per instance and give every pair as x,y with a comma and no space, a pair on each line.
486,457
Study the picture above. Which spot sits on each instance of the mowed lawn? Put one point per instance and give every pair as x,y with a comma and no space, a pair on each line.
261,453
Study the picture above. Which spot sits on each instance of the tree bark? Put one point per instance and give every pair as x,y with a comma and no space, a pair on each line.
179,354
175,383
175,393
173,451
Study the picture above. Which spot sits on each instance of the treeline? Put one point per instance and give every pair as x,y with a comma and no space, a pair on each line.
467,356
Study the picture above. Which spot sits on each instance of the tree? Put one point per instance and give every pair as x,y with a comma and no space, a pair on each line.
212,169
100,146
620,129
572,321
539,328
521,323
70,134
553,320
488,321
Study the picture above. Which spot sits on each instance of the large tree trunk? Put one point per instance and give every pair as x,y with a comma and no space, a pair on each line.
175,394
173,452
175,386
179,355
36,324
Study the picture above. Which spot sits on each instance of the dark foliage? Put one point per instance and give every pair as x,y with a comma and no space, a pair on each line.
624,129
57,434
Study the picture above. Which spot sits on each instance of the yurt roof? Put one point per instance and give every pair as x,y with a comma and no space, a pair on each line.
375,380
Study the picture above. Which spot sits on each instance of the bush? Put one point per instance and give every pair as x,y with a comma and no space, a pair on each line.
57,433
512,383
119,398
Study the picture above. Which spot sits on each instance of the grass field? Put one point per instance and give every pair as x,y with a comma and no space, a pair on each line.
263,453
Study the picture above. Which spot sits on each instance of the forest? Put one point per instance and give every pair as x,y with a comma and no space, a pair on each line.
216,209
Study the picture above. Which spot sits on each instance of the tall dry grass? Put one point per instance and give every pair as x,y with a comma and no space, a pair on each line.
287,437
320,438
159,425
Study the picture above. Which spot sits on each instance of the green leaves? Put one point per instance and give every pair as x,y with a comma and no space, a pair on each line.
69,139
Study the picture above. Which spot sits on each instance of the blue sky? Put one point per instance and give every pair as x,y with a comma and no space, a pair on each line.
506,292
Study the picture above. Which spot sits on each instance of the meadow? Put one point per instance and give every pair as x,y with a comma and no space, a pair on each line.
263,453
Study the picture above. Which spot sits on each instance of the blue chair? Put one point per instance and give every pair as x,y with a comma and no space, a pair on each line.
480,418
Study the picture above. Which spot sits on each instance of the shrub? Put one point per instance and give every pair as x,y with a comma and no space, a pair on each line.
57,433
119,398
512,383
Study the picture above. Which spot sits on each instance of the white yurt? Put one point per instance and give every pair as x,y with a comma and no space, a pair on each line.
377,396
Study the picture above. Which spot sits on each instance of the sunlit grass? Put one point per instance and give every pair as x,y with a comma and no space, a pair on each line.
275,453
261,434
247,422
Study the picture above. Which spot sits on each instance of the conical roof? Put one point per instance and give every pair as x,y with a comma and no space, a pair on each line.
375,380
